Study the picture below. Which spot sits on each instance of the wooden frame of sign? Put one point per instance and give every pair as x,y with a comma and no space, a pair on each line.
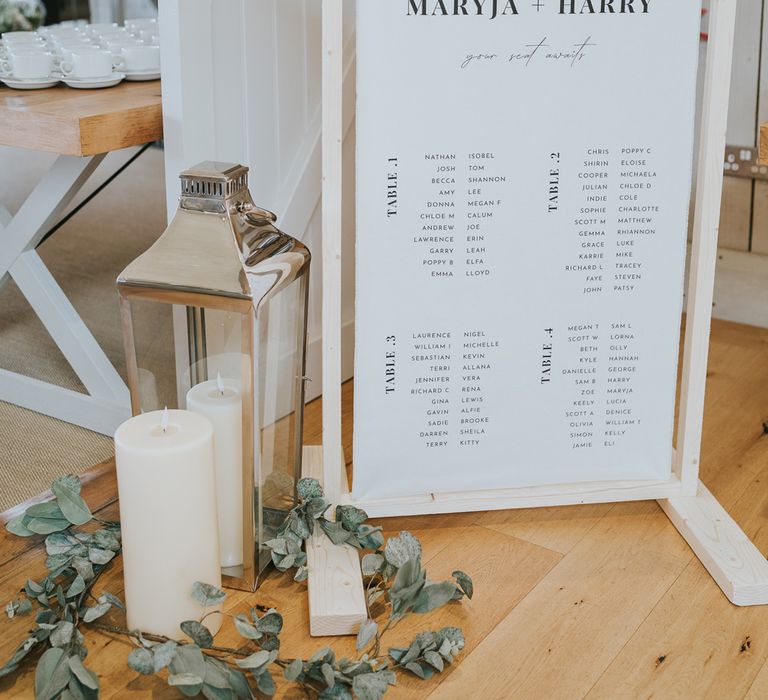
337,605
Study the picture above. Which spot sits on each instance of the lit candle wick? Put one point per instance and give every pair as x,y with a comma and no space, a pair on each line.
164,420
220,383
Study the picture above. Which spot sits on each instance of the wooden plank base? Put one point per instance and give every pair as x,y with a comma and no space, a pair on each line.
736,565
335,585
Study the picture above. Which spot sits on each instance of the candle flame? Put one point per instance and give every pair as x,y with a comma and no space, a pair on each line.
164,419
220,382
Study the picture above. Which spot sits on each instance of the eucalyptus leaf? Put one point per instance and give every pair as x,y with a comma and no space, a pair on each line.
68,481
302,573
163,655
309,488
16,527
434,596
45,526
271,623
188,660
465,583
255,661
325,654
293,670
87,677
315,507
212,692
405,547
11,608
245,628
142,661
51,674
434,659
278,545
58,543
62,634
371,564
328,675
270,642
265,683
198,633
107,597
335,532
95,612
350,517
338,692
83,567
77,691
420,670
100,556
372,686
216,673
77,587
367,632
407,586
104,539
24,608
71,503
188,683
207,595
47,510
239,684
285,562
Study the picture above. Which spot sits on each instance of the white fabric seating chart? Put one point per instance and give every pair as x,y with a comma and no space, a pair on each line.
523,184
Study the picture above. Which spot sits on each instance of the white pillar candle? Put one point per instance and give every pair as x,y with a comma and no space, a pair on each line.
166,485
219,400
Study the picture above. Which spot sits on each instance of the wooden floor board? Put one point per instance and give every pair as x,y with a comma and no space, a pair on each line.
559,639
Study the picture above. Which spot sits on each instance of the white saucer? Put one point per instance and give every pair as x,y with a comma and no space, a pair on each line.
137,75
91,83
37,84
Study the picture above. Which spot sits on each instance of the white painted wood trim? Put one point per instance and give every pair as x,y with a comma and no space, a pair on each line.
529,497
734,562
67,329
335,585
332,121
701,283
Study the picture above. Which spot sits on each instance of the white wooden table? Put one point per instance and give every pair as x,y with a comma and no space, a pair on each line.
81,126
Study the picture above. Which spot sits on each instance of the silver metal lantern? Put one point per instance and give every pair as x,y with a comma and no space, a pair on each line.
214,320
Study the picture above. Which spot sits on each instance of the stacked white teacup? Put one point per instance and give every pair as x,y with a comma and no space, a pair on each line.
26,61
81,54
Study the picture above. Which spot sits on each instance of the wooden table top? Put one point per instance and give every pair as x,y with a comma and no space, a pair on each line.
81,122
598,602
764,143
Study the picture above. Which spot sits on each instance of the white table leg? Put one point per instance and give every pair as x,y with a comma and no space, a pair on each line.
66,328
108,403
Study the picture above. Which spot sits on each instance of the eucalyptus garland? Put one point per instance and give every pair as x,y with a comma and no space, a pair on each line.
66,603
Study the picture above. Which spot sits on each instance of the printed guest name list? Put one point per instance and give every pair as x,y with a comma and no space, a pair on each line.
522,200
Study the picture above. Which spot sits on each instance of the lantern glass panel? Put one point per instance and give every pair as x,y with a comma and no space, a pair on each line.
214,321
281,359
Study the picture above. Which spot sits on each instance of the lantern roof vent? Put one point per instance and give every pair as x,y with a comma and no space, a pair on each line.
214,180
